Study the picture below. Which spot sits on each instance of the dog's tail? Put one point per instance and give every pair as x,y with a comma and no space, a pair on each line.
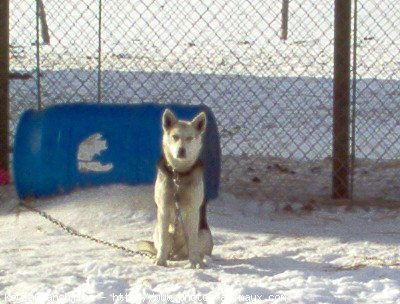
146,246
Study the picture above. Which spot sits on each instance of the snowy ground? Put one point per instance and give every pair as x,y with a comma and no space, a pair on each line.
285,180
323,256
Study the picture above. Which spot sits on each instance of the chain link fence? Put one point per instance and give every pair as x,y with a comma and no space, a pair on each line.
272,97
377,102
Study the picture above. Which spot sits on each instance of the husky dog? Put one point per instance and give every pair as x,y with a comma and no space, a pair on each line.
180,179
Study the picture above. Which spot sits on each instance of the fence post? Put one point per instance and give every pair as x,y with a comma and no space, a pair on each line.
4,70
341,100
285,19
43,22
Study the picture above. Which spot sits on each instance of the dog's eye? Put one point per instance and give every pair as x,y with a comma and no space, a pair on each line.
189,138
175,137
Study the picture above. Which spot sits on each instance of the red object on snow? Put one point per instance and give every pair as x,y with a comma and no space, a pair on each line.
4,177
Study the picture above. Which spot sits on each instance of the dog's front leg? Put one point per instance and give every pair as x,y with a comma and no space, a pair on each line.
192,231
164,242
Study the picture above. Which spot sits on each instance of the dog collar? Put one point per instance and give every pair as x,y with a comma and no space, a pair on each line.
163,164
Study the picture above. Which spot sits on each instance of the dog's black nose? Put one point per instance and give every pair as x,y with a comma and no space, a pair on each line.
181,153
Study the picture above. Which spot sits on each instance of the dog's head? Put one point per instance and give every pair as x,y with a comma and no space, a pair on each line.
182,140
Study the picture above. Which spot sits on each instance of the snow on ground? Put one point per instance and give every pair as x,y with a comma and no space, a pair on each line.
325,256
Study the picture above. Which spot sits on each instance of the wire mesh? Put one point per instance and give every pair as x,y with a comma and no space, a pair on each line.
377,144
272,97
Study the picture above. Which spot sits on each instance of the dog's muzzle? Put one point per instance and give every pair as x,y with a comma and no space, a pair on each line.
182,153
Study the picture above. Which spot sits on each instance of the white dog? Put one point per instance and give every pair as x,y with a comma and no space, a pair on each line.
180,179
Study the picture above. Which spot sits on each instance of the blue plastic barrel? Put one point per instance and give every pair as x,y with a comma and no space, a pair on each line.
65,147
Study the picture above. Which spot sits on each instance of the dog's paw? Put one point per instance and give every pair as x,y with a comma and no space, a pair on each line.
160,262
197,264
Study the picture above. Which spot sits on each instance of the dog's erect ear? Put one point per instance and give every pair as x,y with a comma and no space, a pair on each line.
200,122
168,120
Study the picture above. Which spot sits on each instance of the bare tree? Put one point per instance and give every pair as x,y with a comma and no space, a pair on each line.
43,22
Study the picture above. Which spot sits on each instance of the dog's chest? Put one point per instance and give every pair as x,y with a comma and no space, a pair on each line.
187,190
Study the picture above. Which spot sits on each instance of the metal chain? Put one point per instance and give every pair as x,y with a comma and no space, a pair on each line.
76,233
129,251
178,213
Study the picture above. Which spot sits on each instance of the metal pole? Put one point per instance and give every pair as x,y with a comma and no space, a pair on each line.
99,54
4,70
353,101
341,100
285,19
38,81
